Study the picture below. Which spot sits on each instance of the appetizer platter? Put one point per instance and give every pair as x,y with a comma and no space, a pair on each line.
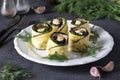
62,42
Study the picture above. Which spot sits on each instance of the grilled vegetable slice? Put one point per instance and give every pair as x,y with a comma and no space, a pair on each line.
40,35
59,25
78,39
57,44
80,22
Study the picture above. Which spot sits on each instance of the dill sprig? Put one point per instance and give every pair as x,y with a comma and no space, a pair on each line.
91,50
58,57
90,9
94,37
25,37
11,72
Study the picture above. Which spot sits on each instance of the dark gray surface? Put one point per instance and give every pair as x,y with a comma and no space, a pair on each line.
43,72
37,3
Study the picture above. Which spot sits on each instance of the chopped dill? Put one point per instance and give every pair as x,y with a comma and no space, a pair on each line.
95,35
26,37
91,50
12,72
58,57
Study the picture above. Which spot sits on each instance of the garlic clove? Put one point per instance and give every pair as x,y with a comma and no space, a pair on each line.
108,67
40,9
95,72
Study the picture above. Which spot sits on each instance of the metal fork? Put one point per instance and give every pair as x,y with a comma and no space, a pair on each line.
23,23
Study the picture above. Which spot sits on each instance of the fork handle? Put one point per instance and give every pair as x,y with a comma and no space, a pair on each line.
6,35
12,30
10,25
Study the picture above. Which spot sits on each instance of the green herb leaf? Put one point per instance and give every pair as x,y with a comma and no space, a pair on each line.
57,57
94,37
92,50
26,37
91,9
11,72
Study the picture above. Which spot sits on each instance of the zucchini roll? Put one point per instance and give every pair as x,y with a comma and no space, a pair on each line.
57,44
40,35
59,25
78,39
79,22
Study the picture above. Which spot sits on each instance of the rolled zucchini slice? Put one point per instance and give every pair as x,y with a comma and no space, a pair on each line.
80,22
59,25
57,44
40,35
78,39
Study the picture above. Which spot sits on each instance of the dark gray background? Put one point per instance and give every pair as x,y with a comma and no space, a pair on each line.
43,72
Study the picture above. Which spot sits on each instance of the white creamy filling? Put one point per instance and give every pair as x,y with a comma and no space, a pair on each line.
80,31
56,21
78,22
82,20
44,24
40,29
60,37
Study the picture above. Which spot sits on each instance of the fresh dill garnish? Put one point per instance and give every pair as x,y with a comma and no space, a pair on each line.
58,57
26,37
91,50
94,37
11,72
90,9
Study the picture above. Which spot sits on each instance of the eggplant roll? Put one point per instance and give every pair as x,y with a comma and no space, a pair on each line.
40,35
78,39
57,44
79,22
59,25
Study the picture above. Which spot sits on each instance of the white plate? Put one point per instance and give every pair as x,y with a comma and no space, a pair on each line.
28,52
